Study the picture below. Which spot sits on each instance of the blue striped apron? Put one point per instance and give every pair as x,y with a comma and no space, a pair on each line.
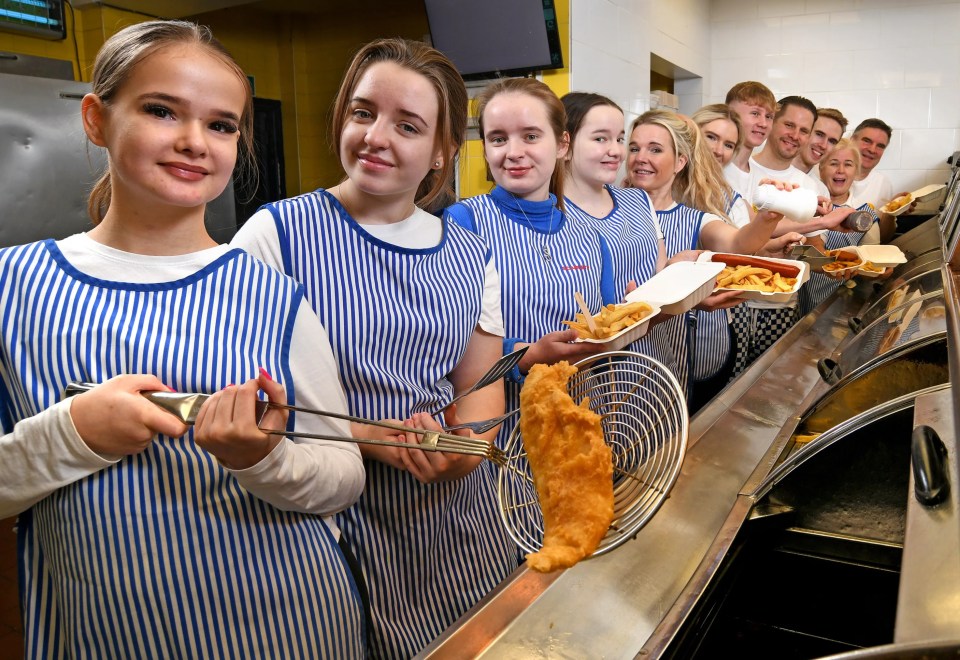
632,237
681,231
711,341
163,554
537,294
399,321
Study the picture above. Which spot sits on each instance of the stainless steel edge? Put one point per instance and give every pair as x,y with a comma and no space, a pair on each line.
928,601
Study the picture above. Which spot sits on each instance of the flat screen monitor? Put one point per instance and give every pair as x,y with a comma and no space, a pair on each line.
494,38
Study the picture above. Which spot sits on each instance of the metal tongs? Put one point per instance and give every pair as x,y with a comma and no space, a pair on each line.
186,406
811,255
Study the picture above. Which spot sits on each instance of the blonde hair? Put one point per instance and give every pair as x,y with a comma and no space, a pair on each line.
700,184
556,116
718,111
835,115
117,61
451,93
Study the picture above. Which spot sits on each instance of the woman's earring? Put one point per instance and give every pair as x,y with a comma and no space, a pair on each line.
436,165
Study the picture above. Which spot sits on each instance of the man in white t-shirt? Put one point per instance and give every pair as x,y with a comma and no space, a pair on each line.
871,137
755,104
827,131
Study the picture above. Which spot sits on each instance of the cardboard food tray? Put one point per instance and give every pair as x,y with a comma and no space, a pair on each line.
779,297
629,334
903,209
882,255
679,287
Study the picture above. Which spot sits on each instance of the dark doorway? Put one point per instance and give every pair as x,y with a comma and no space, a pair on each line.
270,184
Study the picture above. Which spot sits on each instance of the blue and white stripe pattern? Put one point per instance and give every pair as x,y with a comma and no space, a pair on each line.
681,231
163,554
819,287
712,337
631,235
537,294
399,321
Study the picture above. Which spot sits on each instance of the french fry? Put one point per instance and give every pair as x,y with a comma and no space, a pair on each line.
844,260
754,278
611,320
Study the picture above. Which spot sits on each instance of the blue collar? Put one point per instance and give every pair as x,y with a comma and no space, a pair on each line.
543,217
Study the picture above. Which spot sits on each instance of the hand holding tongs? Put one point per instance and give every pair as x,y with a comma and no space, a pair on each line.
186,407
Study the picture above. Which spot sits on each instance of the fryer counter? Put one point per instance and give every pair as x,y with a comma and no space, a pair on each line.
659,594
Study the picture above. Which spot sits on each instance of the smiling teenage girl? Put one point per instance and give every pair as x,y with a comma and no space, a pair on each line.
625,217
139,537
412,307
542,254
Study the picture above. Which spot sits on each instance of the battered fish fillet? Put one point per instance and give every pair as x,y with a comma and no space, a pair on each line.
572,468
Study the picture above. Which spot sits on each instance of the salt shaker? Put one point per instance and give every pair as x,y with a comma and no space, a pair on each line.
858,221
797,204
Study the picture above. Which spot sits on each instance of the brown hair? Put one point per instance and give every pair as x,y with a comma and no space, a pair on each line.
710,113
556,115
577,105
116,63
878,124
754,93
700,184
798,101
451,97
835,115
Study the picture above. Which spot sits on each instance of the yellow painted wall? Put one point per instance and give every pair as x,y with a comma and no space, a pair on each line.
473,171
297,59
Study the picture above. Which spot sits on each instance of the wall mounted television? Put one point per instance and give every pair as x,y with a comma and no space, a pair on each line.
496,38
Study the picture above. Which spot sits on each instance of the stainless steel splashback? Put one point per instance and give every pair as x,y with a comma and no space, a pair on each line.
46,168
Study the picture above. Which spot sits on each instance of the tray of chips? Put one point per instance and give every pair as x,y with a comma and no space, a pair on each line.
759,278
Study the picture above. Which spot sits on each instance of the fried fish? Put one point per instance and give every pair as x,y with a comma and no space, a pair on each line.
572,468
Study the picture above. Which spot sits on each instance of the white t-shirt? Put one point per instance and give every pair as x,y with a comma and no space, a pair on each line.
419,231
737,178
875,189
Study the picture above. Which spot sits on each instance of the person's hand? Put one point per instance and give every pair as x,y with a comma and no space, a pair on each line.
684,255
720,300
835,218
631,287
434,466
556,346
226,425
779,247
113,419
824,206
779,185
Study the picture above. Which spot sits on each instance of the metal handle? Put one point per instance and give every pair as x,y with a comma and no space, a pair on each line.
829,370
931,481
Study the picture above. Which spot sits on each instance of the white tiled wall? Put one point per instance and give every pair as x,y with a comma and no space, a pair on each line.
897,60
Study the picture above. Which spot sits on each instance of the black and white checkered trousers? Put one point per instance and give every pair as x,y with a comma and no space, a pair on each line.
757,330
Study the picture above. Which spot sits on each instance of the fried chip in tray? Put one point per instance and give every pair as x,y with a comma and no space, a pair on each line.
611,320
754,278
572,468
